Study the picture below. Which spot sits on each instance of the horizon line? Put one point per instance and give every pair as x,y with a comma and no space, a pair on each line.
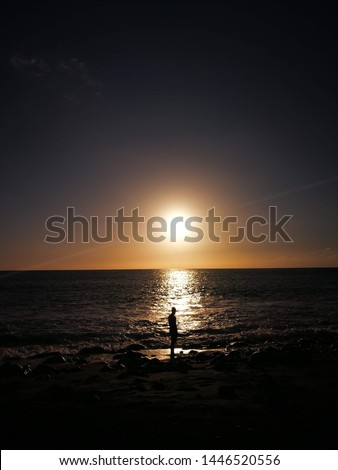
167,269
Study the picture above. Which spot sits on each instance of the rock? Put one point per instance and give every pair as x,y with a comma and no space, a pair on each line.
46,354
118,355
227,392
154,365
287,355
79,360
135,347
91,350
226,361
238,344
266,357
107,368
11,370
27,369
203,356
43,370
179,366
55,360
132,359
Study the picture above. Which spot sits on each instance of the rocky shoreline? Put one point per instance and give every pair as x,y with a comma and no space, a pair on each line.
274,397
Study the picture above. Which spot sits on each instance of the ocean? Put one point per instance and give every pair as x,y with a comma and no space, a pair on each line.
45,311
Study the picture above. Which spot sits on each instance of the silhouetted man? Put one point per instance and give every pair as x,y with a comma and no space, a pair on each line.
172,331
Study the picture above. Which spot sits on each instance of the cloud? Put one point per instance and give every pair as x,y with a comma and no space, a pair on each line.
70,76
32,66
76,67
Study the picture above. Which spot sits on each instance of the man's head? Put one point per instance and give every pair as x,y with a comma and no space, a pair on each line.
173,310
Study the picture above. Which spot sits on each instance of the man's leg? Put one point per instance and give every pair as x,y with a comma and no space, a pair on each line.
172,346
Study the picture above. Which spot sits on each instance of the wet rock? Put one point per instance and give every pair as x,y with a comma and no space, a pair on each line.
55,360
79,360
132,359
203,356
291,355
27,369
226,361
119,366
132,362
46,354
238,344
154,365
135,347
227,392
91,350
119,354
108,368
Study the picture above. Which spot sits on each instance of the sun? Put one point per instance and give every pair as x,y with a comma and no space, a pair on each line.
176,225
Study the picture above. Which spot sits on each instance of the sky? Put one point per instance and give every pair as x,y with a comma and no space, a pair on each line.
172,107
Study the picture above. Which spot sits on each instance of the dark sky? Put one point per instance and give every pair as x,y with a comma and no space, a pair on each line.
116,103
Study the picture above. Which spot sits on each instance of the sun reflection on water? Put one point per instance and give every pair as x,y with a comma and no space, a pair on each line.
179,288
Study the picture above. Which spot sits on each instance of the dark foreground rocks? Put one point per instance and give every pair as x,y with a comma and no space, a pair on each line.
274,397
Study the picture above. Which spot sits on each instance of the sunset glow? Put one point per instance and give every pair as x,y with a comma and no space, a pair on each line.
169,233
174,129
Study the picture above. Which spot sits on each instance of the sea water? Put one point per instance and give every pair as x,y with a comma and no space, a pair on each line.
64,311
